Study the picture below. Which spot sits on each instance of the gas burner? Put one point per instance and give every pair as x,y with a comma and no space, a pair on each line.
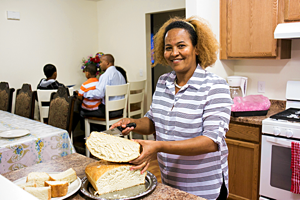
293,116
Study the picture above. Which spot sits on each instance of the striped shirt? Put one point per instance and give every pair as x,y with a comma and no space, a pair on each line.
200,108
89,104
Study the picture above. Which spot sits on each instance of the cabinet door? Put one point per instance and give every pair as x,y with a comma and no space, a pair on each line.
243,166
251,24
292,10
247,29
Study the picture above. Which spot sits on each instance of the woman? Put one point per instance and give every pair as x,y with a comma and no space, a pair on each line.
189,114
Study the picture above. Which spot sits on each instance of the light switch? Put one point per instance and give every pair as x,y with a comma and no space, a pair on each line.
13,15
141,72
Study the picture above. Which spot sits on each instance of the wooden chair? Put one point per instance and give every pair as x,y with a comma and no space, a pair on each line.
43,99
111,91
25,101
61,110
6,96
136,101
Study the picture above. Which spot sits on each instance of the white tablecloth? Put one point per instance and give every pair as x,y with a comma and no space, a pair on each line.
44,143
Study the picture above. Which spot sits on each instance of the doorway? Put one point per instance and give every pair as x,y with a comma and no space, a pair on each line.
157,20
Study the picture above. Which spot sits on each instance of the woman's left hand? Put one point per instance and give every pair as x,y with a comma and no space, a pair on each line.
150,149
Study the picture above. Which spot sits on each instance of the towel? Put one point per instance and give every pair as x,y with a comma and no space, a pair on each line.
295,166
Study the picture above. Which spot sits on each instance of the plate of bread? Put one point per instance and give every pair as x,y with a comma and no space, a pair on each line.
111,177
51,185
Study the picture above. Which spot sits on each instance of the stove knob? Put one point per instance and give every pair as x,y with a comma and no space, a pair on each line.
289,133
276,131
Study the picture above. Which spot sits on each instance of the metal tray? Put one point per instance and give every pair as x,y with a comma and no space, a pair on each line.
128,193
249,113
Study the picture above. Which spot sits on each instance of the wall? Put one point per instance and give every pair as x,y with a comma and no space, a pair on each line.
124,31
275,73
49,31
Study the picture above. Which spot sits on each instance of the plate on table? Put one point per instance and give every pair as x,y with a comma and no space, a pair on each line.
73,187
14,133
127,193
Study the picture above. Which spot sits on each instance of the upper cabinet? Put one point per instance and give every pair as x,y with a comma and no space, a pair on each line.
247,29
291,10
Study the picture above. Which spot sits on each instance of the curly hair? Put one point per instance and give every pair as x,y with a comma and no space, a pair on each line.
204,40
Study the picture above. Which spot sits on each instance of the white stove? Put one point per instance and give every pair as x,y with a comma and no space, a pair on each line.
279,131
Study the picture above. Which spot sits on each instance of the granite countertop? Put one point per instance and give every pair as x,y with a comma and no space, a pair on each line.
276,107
78,162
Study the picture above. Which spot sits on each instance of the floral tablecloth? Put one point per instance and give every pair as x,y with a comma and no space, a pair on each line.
44,143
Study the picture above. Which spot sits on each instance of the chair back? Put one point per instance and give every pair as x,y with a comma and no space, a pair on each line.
113,105
136,100
44,97
61,109
25,101
6,96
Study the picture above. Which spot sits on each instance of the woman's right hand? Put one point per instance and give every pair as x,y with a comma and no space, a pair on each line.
123,122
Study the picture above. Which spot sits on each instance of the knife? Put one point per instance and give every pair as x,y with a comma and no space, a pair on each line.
118,130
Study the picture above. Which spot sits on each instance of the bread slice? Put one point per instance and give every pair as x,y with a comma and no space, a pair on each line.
58,188
38,177
108,177
27,184
42,193
68,175
112,148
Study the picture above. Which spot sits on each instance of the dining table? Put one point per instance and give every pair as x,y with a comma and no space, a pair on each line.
78,162
25,142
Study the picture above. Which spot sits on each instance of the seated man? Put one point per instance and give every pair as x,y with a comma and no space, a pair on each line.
50,81
111,76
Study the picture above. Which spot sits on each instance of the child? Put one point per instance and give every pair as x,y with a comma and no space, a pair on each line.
90,84
50,82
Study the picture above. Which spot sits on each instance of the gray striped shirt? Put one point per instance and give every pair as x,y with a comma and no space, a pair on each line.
201,107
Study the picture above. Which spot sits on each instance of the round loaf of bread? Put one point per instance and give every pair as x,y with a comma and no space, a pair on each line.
112,148
108,177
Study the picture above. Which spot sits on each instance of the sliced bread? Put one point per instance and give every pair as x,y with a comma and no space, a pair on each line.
112,148
27,184
38,177
58,188
68,175
42,193
108,177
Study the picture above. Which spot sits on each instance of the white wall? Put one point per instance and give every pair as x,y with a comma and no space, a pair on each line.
122,32
49,31
275,73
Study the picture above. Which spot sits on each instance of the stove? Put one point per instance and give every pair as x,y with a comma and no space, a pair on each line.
286,123
279,131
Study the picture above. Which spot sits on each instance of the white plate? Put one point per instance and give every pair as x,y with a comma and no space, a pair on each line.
73,187
14,133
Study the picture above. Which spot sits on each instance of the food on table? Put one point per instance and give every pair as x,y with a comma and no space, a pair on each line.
42,193
38,177
44,185
58,188
68,175
108,177
112,148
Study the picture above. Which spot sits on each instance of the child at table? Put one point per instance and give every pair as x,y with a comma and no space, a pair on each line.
90,84
84,105
50,81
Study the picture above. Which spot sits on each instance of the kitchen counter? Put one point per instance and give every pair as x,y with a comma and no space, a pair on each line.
78,162
276,107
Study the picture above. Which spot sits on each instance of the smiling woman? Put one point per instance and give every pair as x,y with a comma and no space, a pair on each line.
190,112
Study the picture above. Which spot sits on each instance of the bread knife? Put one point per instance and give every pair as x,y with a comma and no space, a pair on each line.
118,130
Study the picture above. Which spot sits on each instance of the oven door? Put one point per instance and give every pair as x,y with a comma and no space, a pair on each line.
275,170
